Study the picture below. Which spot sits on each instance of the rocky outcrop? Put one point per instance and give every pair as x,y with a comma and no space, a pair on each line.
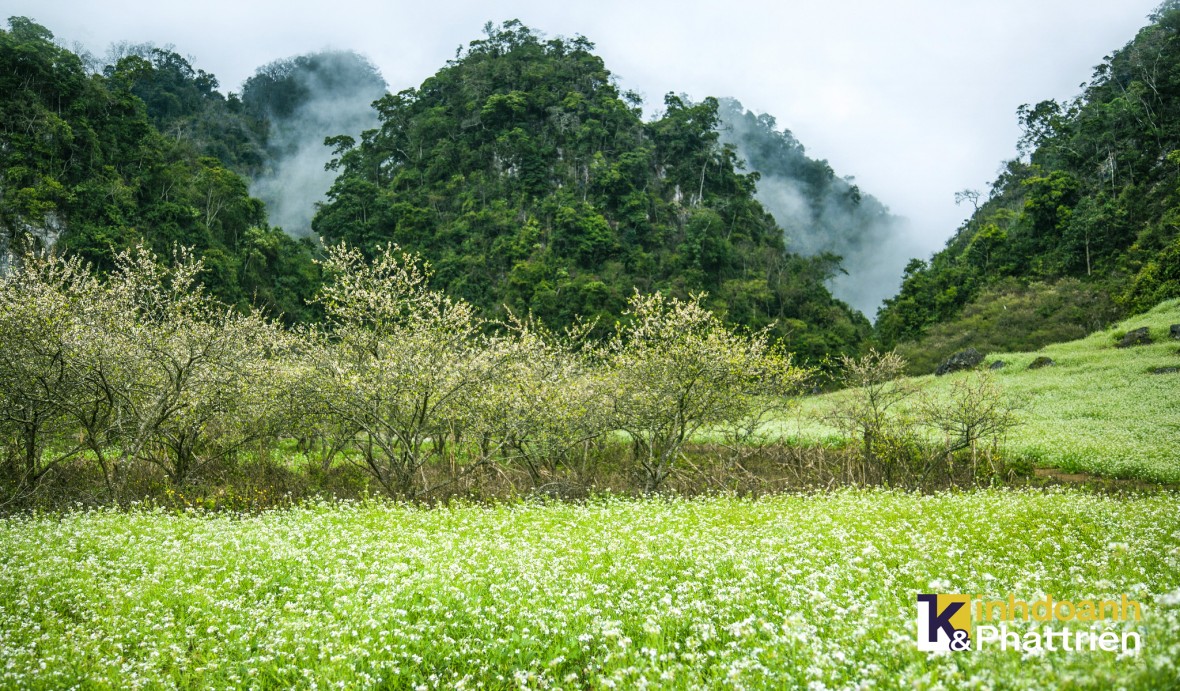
1135,337
1042,361
967,359
41,235
998,364
1174,331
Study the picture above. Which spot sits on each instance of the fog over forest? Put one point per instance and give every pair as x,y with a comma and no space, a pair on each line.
306,99
821,212
311,97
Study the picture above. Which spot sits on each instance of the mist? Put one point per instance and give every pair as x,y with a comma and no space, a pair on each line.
821,212
306,99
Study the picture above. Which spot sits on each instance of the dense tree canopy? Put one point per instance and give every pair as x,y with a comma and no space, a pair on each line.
528,180
146,151
519,171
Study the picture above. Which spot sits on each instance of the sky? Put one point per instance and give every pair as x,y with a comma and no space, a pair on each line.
914,98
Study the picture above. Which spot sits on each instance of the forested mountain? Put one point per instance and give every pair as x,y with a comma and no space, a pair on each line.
528,180
820,212
1085,226
147,151
518,170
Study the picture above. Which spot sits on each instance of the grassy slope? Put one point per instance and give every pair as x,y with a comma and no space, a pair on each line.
783,592
1098,410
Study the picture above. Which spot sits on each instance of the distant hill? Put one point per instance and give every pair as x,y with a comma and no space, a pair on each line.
146,151
1095,198
303,100
518,170
528,180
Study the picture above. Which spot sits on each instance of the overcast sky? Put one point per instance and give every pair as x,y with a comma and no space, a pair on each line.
915,98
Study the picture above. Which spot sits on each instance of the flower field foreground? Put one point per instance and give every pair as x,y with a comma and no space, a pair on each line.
790,591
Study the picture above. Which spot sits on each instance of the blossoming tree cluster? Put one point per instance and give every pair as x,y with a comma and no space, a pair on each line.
143,368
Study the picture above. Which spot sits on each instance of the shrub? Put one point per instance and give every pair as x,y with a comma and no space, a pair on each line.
1014,317
42,364
870,414
973,416
674,369
400,364
547,401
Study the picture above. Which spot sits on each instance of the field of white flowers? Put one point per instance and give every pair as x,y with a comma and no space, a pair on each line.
812,591
1097,410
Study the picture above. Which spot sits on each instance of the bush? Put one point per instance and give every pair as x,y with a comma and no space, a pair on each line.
144,367
870,413
1158,280
400,365
547,402
905,436
674,369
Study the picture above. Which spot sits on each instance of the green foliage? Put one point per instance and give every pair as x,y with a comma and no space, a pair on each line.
1158,280
277,91
1095,198
519,170
1012,316
531,184
183,104
89,166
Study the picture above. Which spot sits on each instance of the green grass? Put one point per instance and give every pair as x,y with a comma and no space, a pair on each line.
782,592
1098,410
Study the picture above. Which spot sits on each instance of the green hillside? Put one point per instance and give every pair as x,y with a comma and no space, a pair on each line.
528,180
1094,196
1098,410
519,170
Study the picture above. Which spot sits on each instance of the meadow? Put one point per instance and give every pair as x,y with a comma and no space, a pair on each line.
460,575
1098,410
790,591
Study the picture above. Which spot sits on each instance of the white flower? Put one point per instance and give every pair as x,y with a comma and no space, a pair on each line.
1168,599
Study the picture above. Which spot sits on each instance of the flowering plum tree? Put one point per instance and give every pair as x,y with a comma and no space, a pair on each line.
674,369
